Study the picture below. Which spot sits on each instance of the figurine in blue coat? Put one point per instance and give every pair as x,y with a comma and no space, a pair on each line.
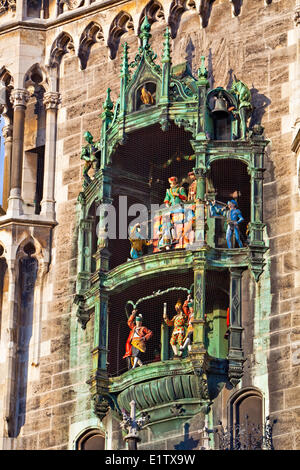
234,218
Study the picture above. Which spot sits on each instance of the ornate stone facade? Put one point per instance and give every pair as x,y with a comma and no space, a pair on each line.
52,389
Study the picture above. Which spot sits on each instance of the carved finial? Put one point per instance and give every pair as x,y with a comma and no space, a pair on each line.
108,104
166,53
124,66
145,32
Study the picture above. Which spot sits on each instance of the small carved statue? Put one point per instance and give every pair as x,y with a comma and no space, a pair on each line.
188,308
192,187
166,233
233,217
88,154
137,242
136,342
178,321
243,94
175,194
187,236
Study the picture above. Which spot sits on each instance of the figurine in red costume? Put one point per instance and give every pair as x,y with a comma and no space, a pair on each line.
136,342
188,308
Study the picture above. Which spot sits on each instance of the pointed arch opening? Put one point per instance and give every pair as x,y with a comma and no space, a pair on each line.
91,35
121,24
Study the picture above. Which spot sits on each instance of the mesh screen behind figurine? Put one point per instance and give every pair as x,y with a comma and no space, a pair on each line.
217,298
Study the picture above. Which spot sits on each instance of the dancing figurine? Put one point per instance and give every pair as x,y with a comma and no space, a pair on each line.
136,342
178,321
234,218
166,233
188,308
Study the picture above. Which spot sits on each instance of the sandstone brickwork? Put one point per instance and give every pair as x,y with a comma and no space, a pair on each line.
260,46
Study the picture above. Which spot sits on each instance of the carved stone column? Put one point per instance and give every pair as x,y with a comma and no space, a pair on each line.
257,245
200,208
199,307
235,354
99,379
7,135
19,99
10,339
51,102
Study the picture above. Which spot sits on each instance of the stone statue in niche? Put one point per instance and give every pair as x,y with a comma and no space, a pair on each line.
233,218
243,95
88,154
179,321
136,342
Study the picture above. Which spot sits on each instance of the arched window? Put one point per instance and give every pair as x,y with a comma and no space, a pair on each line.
91,440
246,419
34,142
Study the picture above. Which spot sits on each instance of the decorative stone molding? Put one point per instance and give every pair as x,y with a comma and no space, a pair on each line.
6,5
72,4
121,24
236,6
154,12
7,131
62,45
93,33
19,97
52,99
297,16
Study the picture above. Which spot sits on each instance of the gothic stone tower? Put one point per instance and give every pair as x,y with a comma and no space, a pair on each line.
221,80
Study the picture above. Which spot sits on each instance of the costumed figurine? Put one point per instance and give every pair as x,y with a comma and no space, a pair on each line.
88,154
175,194
233,218
192,187
243,94
189,225
136,342
188,308
166,233
179,321
137,242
